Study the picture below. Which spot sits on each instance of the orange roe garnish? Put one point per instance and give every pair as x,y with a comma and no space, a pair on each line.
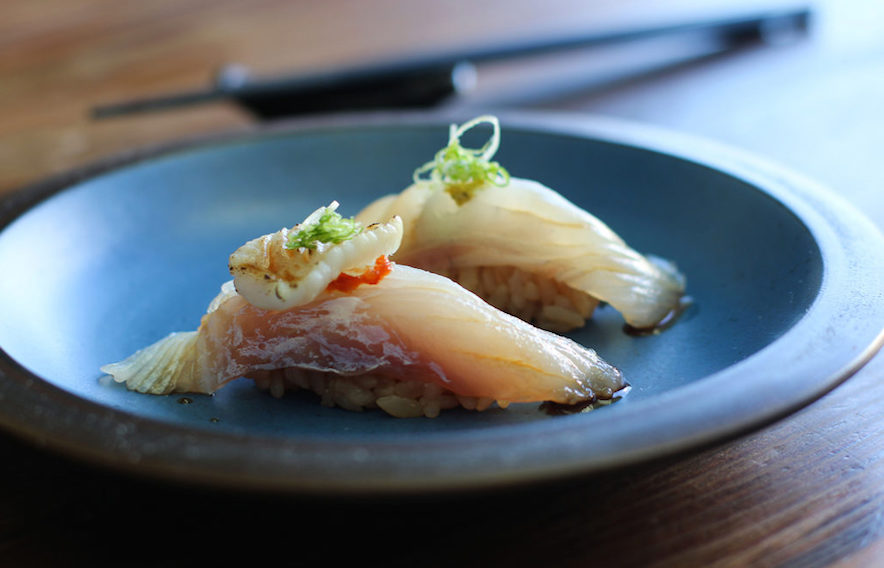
346,283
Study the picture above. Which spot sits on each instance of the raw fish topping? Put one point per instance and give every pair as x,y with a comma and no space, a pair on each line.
521,245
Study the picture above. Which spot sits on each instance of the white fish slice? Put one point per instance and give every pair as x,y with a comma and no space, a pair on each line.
454,226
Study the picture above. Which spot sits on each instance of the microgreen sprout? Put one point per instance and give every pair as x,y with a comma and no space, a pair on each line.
324,225
463,170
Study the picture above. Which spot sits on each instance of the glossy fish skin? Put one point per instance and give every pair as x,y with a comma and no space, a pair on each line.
533,228
413,325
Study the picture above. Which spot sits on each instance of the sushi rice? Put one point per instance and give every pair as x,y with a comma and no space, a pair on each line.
402,399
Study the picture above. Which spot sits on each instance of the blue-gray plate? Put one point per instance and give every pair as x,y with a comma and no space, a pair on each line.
784,277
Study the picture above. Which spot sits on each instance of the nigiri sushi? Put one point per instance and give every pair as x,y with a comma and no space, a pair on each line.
520,245
321,307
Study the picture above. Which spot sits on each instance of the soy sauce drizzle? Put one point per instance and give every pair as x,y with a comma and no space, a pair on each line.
560,409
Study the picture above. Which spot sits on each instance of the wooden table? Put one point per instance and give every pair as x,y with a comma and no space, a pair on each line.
806,491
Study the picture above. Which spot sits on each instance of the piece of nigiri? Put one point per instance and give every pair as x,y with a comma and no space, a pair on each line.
520,245
341,320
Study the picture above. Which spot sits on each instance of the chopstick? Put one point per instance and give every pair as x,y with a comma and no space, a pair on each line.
429,80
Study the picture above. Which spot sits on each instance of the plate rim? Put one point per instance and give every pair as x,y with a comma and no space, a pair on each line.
146,446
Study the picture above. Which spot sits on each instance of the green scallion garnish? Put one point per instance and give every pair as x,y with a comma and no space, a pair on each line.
464,170
324,226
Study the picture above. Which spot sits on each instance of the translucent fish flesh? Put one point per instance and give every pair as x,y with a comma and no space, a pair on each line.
531,252
413,326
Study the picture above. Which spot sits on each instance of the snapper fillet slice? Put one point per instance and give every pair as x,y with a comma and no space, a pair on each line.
365,334
521,245
412,326
543,239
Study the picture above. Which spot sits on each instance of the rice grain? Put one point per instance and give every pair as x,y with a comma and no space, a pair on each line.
534,298
402,399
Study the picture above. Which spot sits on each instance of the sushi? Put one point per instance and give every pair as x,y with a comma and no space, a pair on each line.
321,307
521,245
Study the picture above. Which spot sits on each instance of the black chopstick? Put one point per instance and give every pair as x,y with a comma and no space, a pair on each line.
426,81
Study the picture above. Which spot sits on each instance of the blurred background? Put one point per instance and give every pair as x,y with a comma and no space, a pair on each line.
60,59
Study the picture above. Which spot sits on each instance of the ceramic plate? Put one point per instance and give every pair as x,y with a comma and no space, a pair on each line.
784,277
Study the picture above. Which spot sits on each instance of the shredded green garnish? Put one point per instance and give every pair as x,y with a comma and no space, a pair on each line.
329,227
464,170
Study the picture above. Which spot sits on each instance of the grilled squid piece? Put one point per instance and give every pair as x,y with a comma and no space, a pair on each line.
288,268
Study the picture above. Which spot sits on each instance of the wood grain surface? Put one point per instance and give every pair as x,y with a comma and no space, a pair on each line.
805,491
